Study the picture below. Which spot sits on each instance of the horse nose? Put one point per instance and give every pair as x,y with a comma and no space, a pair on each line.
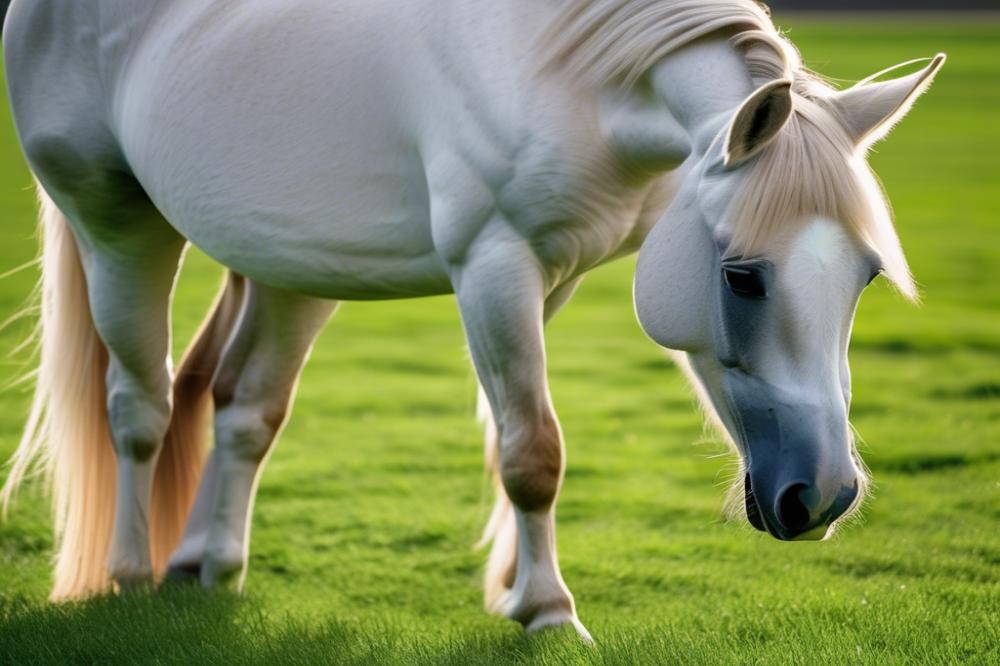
800,513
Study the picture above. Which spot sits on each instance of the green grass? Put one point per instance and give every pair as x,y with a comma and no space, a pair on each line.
366,515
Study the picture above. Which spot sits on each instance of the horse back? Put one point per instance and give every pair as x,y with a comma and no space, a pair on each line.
310,145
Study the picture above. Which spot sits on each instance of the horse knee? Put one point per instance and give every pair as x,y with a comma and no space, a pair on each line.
531,460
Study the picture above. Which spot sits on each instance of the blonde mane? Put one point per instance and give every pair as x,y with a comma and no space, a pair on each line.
812,168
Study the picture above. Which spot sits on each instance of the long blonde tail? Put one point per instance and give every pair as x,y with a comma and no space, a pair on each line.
179,467
501,530
67,434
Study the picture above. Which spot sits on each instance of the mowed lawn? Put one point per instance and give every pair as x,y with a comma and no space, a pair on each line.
366,516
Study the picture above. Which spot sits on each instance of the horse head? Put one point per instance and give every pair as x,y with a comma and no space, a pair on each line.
755,272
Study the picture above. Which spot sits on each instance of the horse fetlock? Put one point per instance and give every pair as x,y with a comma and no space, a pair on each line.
222,566
130,570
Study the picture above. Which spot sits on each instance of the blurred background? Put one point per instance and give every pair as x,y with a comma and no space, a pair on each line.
370,504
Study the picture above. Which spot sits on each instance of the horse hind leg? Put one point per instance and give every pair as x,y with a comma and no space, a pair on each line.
252,389
192,412
130,257
130,303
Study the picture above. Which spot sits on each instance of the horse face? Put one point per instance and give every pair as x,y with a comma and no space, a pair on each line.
767,340
777,374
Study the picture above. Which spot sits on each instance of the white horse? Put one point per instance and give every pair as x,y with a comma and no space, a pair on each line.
494,149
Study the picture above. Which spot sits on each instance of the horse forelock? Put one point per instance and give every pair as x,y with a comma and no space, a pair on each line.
812,168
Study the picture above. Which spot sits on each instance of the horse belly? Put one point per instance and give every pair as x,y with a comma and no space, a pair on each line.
281,157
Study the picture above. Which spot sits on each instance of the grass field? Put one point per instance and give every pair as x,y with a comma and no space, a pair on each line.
366,515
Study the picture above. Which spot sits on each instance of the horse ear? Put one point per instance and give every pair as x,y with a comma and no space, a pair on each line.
869,110
758,121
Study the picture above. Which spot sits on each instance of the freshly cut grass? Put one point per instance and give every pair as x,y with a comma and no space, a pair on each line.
366,515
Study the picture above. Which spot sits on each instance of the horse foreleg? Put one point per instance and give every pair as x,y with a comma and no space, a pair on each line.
252,389
501,296
501,529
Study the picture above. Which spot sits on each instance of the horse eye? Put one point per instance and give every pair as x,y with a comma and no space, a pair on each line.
745,281
873,276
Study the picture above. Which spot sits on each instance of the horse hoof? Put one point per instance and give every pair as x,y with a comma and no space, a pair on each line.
134,582
538,615
188,572
559,619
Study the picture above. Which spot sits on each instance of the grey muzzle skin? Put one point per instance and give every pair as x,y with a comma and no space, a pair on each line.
800,471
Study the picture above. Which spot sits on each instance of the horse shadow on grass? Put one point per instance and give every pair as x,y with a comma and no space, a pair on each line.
171,625
182,624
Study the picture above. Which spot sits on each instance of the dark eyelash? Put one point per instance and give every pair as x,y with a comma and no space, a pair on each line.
745,281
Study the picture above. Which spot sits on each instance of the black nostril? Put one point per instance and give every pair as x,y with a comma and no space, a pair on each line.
753,510
792,513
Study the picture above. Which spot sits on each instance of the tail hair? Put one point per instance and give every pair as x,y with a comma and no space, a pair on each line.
501,530
67,437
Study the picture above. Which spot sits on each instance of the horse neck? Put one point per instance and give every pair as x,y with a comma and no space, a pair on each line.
703,83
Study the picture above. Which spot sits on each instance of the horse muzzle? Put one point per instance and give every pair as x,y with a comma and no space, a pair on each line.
801,476
797,512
